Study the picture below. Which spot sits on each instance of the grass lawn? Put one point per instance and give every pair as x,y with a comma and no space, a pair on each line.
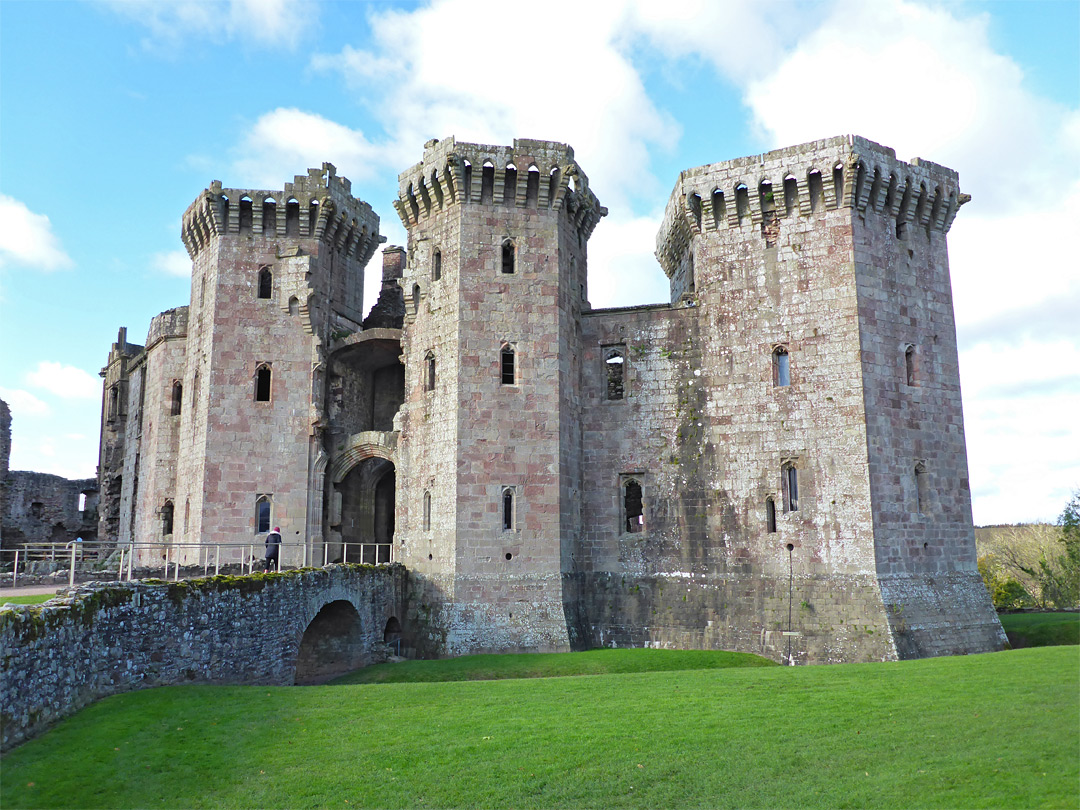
998,730
541,665
31,599
1041,629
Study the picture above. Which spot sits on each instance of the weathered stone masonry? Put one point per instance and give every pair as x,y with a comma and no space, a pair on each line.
773,462
104,638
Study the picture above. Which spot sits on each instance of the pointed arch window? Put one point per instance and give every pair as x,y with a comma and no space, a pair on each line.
266,283
790,482
177,397
508,257
429,369
922,488
262,383
263,513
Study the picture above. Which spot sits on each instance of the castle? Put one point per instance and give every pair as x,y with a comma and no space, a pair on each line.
772,462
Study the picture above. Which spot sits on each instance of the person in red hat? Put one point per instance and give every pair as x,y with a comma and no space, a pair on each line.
273,550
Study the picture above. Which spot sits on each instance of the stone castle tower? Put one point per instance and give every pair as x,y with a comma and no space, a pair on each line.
491,445
772,462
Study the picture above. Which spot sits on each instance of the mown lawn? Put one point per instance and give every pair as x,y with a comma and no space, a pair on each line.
31,599
999,730
546,665
1041,629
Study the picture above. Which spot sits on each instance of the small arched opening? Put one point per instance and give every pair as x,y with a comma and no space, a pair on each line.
332,644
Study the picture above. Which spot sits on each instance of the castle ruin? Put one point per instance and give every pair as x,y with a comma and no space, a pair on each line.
773,462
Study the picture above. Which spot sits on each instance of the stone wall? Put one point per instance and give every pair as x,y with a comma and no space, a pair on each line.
5,459
103,638
44,508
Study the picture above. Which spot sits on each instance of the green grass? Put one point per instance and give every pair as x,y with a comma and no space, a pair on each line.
999,730
552,665
1041,629
31,599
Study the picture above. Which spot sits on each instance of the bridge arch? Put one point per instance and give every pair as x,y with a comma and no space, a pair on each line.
332,643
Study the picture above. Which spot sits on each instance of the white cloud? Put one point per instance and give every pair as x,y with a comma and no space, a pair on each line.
263,22
287,140
590,95
67,382
27,238
925,82
172,263
622,268
23,403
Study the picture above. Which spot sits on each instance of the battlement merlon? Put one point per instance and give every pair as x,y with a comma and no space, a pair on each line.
847,171
318,205
531,173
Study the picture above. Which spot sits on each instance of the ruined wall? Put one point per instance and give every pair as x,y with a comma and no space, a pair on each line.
153,433
103,638
5,459
112,453
43,508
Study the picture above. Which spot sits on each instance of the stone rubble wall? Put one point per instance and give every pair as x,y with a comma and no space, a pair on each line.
109,637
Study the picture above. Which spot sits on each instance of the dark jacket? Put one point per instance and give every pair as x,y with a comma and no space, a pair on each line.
273,544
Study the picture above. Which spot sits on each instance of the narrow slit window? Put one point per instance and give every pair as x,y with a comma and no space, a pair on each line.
177,397
770,515
781,367
436,266
262,384
508,257
633,507
921,488
508,509
427,511
508,369
615,370
167,518
266,283
429,377
791,488
909,364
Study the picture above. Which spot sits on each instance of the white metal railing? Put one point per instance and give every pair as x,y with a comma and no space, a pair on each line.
141,556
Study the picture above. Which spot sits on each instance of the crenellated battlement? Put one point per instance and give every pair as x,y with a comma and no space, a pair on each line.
318,206
529,174
847,171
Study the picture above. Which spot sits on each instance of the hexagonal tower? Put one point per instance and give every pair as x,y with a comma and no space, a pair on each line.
277,274
490,446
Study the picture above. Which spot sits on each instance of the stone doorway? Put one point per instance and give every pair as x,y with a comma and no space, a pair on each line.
367,512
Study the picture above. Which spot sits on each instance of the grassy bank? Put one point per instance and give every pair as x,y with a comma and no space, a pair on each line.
546,665
998,730
1041,629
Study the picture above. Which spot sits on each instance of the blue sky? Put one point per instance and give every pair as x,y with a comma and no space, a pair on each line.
115,115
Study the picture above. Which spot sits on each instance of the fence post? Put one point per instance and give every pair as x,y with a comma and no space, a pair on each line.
131,553
217,559
71,575
325,552
15,570
120,573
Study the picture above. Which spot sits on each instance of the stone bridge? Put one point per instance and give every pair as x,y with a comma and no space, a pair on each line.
295,627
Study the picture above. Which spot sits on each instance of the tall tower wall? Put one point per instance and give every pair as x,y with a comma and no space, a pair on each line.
276,275
921,496
501,444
